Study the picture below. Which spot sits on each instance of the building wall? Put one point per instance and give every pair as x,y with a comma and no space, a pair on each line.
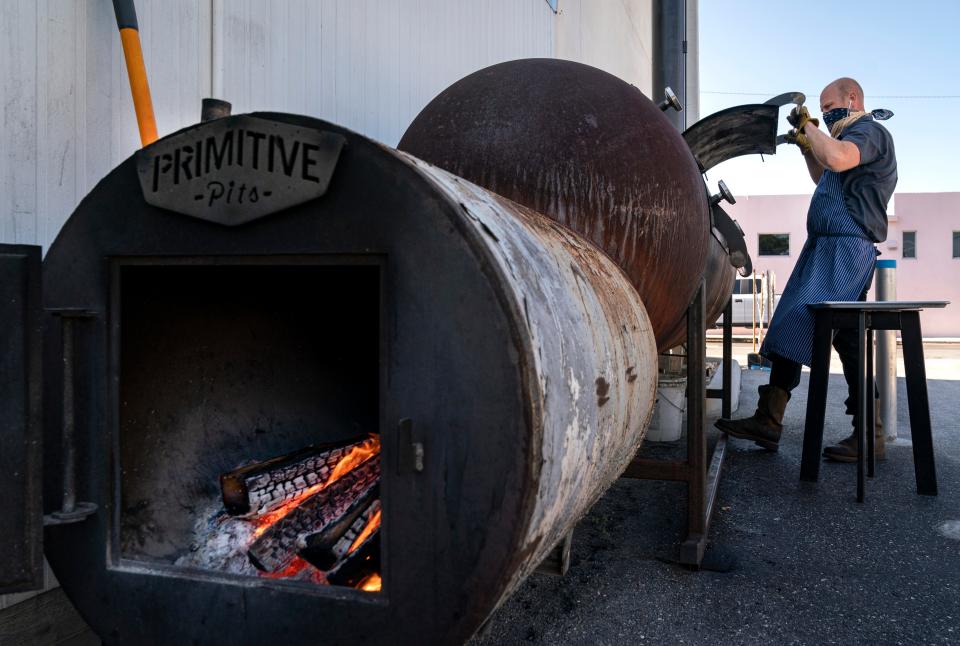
67,114
366,64
932,275
759,214
614,36
370,65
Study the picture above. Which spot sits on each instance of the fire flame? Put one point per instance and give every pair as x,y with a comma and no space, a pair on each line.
357,456
371,583
297,565
372,525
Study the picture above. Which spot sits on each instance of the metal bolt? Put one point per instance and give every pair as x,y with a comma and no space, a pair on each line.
670,100
724,194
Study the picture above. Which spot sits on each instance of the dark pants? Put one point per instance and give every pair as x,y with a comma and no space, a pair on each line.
785,373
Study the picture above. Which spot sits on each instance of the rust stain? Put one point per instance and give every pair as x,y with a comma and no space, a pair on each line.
602,389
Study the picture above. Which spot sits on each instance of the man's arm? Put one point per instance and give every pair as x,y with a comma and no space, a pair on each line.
813,166
829,153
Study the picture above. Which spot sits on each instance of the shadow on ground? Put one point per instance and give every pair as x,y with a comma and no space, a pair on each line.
812,565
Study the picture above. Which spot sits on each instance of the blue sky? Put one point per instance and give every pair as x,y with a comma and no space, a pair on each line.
895,49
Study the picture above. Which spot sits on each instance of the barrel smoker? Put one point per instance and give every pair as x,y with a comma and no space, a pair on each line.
484,308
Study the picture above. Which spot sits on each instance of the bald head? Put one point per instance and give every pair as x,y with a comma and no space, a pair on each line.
842,93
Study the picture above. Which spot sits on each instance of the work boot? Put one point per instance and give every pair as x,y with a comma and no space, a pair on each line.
846,449
766,425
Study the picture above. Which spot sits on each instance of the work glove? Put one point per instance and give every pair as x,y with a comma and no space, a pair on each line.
800,116
794,136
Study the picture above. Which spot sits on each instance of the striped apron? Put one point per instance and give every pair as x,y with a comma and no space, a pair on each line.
836,264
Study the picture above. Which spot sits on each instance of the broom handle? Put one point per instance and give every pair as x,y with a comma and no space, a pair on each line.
136,70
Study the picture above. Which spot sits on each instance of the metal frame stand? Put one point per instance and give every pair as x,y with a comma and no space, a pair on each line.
702,476
557,562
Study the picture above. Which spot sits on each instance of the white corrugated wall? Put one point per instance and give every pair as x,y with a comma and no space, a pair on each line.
367,64
67,114
370,65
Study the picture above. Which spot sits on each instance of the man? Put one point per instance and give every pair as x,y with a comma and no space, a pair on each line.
855,169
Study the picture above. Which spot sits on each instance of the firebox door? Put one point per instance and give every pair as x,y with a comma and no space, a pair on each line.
21,532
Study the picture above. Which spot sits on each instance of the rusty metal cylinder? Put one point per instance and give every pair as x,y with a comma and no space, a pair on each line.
590,151
591,398
718,280
510,374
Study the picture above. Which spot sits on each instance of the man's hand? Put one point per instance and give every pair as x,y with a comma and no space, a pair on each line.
799,117
799,139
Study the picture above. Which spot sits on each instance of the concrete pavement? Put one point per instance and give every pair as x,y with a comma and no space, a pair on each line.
811,565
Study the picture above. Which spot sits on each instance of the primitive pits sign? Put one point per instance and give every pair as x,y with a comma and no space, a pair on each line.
237,169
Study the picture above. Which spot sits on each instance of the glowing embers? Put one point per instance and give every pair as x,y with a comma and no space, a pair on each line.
371,584
315,514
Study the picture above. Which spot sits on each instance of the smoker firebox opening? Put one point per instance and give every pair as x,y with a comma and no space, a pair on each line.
241,384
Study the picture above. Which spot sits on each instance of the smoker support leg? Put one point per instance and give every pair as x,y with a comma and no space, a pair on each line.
726,402
557,562
702,477
691,551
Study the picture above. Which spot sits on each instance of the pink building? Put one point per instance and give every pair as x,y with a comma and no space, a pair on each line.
924,239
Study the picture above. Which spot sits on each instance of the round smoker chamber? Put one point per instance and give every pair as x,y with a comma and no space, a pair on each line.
589,150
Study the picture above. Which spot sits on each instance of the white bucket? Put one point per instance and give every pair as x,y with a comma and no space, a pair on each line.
667,424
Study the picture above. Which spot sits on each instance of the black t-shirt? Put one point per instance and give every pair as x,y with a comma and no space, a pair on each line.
867,188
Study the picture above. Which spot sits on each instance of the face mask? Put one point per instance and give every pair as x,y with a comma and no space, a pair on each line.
830,117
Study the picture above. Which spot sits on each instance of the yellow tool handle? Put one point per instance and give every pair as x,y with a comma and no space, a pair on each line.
137,72
126,14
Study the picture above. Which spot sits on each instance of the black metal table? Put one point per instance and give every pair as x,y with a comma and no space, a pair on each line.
865,317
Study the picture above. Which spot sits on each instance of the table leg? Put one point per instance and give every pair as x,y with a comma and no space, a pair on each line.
817,396
923,461
861,401
870,397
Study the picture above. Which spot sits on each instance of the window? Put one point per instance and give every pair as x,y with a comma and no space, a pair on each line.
956,244
774,244
909,244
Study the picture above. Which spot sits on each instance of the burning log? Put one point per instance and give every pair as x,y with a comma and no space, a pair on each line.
298,570
325,550
262,487
359,566
276,544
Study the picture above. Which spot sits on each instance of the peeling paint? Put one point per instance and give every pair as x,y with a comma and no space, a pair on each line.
586,325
